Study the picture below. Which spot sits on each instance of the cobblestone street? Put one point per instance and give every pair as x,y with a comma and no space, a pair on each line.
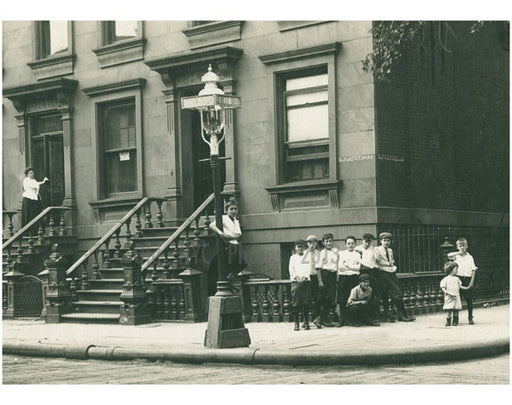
32,370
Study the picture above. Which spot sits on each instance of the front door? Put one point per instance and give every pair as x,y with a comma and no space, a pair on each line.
202,170
47,158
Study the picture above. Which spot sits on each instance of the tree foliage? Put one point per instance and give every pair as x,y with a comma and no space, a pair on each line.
392,38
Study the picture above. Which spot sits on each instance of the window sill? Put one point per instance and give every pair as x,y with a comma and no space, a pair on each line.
305,194
293,25
214,33
121,52
53,66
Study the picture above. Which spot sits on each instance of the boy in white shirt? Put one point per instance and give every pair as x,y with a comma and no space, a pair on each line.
231,234
387,276
369,266
299,269
466,272
348,276
312,256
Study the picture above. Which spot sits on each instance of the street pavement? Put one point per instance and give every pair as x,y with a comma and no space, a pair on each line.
425,340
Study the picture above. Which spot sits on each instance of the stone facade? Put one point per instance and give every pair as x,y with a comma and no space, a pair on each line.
430,147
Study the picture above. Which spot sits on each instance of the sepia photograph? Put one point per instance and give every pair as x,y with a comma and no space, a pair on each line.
255,201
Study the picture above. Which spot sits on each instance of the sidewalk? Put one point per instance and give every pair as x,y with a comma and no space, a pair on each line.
425,340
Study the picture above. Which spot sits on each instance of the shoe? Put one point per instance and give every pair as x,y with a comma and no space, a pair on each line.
306,326
470,321
328,324
372,323
448,322
296,327
317,323
338,324
405,318
356,324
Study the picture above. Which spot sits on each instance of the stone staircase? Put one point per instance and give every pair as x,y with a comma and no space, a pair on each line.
97,300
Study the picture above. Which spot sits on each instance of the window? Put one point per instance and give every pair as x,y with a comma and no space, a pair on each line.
118,134
305,126
52,38
114,31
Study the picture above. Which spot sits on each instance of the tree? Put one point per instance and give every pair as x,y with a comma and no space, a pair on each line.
392,38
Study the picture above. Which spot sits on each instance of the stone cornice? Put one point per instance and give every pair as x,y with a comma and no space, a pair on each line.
115,87
320,50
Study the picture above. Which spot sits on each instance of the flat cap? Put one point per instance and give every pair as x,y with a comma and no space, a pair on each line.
385,235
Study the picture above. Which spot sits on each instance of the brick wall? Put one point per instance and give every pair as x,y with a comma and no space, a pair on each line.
442,123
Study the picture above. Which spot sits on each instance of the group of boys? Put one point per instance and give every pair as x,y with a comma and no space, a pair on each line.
356,280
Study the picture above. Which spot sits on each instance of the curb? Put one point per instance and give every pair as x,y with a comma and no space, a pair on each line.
248,356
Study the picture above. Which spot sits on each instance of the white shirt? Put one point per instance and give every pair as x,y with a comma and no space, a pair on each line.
314,260
383,263
330,259
466,265
30,188
349,263
299,267
231,227
368,256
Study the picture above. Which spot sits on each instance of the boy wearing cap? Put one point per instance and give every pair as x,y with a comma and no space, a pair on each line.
312,257
387,276
299,270
348,273
361,303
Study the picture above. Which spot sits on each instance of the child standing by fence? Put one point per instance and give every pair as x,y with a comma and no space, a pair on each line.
299,269
466,272
451,285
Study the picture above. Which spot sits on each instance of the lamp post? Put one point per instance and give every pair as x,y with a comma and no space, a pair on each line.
225,322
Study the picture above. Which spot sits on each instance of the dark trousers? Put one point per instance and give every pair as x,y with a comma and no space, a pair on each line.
30,210
301,294
391,285
362,313
345,285
467,295
328,294
316,296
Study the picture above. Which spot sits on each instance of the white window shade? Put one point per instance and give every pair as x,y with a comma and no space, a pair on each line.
308,123
58,36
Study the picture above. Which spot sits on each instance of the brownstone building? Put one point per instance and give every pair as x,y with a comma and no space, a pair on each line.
318,146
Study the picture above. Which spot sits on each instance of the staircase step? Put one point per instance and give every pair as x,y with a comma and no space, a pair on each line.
104,307
108,284
90,318
99,295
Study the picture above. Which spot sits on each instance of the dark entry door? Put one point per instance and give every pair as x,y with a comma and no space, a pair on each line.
48,161
203,185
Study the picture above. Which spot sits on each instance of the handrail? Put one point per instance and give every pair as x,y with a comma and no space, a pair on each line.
112,230
31,223
177,233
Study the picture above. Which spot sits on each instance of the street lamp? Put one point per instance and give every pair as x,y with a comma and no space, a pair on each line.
225,322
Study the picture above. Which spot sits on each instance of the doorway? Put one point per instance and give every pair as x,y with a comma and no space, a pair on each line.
47,157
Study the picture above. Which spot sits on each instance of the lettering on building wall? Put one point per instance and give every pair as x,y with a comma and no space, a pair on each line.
370,156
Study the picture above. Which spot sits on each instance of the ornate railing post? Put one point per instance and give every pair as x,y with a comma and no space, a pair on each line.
192,294
12,276
44,277
134,311
58,295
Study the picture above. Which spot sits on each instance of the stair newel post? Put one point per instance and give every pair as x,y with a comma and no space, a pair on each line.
149,224
96,267
13,277
138,224
160,215
58,295
134,311
84,282
117,244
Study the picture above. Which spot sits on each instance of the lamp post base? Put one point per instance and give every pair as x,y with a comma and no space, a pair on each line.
225,322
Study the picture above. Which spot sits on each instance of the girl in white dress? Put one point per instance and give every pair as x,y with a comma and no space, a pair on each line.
451,286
